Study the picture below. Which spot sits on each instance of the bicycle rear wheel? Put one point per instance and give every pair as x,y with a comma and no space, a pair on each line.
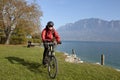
52,67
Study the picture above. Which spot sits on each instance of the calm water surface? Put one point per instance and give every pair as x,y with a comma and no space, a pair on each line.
91,51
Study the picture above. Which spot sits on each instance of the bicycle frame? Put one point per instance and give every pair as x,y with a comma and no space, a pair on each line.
51,49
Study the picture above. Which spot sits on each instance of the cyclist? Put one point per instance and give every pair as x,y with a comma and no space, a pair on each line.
49,34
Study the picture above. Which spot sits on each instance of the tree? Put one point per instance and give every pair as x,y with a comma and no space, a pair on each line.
17,13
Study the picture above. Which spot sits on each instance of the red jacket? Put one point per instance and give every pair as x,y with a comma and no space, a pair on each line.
48,35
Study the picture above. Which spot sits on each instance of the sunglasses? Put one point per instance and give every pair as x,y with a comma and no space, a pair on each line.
50,26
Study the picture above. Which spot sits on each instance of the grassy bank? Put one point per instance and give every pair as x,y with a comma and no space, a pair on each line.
22,63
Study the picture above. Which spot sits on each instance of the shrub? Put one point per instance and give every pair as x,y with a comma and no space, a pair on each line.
17,39
36,41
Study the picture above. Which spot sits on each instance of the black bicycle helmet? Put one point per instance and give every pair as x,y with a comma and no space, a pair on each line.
50,24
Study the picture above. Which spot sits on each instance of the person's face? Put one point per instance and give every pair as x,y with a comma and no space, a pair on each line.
50,27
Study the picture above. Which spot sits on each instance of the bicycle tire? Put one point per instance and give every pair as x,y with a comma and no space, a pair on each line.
52,67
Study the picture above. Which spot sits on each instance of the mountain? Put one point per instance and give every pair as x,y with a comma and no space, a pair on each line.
92,29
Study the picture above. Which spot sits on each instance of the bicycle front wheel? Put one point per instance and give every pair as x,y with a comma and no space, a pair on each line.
52,67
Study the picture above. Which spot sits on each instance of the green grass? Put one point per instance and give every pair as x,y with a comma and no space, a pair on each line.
22,63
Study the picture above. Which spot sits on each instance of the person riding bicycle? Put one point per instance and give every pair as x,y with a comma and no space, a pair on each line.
49,34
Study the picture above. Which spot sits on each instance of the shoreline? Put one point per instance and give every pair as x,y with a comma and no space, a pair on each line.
80,61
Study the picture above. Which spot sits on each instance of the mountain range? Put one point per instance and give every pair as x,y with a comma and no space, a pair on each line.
91,29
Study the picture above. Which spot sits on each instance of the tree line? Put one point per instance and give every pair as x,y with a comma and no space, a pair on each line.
19,22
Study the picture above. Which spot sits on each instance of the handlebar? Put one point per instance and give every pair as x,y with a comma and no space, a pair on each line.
50,43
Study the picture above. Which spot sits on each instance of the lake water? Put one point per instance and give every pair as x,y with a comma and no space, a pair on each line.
91,51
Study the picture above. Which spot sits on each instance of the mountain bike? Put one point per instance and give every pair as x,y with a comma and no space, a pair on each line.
52,61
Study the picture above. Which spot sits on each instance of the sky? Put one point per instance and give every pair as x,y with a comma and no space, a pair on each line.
62,12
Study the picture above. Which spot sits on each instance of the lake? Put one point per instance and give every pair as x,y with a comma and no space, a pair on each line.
91,51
